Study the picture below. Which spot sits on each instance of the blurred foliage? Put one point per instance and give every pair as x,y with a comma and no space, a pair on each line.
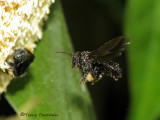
51,86
143,27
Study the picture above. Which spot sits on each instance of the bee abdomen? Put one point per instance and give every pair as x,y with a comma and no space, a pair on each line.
113,70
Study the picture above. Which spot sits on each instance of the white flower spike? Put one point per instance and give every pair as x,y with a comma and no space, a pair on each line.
20,27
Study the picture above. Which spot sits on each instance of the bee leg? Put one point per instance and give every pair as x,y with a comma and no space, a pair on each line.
115,78
92,83
82,79
6,71
85,82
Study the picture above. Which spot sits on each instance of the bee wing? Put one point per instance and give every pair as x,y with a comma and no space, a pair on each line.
112,48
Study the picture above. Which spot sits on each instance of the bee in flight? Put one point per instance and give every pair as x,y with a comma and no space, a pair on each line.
98,63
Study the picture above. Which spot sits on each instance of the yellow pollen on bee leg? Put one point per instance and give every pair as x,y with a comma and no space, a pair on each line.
90,77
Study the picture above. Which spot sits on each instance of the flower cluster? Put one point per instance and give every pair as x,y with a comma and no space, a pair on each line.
20,26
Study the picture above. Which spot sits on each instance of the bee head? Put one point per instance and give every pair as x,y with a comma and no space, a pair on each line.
76,59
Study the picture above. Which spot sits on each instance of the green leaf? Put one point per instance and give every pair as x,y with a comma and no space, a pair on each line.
143,27
51,86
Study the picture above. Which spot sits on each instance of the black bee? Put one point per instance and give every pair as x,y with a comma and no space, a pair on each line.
22,58
98,63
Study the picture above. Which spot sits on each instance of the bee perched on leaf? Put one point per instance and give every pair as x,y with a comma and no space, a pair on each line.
98,63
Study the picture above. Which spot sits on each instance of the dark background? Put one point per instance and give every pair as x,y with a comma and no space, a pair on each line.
91,23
